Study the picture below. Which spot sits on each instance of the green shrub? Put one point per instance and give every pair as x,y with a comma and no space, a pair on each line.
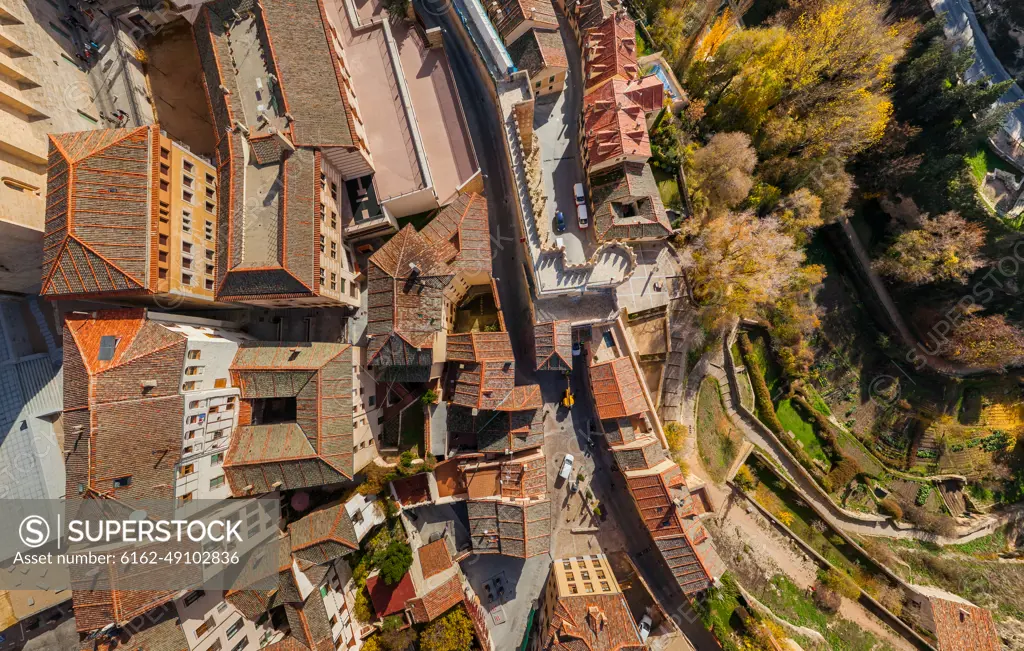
841,582
890,507
395,561
762,396
922,494
429,397
744,479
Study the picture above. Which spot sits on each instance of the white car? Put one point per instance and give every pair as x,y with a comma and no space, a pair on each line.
645,628
560,243
566,466
578,191
581,215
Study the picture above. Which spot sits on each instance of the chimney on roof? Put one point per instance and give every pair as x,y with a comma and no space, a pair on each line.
414,270
596,618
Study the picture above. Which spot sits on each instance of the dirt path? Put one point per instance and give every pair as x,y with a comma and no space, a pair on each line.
859,615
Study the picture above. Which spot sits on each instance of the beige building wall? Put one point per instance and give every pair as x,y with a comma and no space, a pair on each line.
187,224
339,278
549,80
366,412
42,90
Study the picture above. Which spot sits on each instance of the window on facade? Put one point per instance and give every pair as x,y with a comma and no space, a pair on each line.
217,459
162,256
165,153
210,207
209,254
234,628
186,450
186,196
209,284
334,250
206,626
186,263
188,166
334,280
215,646
122,482
586,575
323,591
195,403
537,84
209,193
241,645
210,179
551,79
164,185
605,586
589,587
220,383
186,279
189,386
193,370
193,597
163,240
333,620
322,243
187,181
323,277
187,469
334,191
573,589
165,169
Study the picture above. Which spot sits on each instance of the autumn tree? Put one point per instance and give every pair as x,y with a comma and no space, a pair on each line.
679,25
985,341
793,317
811,90
943,248
799,213
720,173
452,632
740,262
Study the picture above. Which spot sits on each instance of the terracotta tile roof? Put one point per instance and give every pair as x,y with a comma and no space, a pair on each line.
95,609
497,431
482,482
515,12
596,622
412,490
490,386
610,51
293,38
323,535
434,558
538,49
554,346
519,529
480,347
390,599
159,630
963,626
668,511
437,601
101,399
100,211
316,448
461,234
618,431
406,280
307,71
615,126
589,13
627,205
524,479
617,389
647,91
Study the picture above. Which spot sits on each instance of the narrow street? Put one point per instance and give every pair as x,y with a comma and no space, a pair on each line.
607,485
482,119
609,488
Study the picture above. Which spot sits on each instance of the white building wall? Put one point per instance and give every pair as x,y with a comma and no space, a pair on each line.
208,620
366,412
344,628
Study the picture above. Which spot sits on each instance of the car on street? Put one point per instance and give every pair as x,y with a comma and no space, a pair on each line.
566,466
559,221
581,215
580,197
645,628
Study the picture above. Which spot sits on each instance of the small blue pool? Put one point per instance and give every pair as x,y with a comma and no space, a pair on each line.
659,72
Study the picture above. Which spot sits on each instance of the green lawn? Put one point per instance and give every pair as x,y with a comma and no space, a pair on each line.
668,189
793,421
716,612
792,604
984,160
717,439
